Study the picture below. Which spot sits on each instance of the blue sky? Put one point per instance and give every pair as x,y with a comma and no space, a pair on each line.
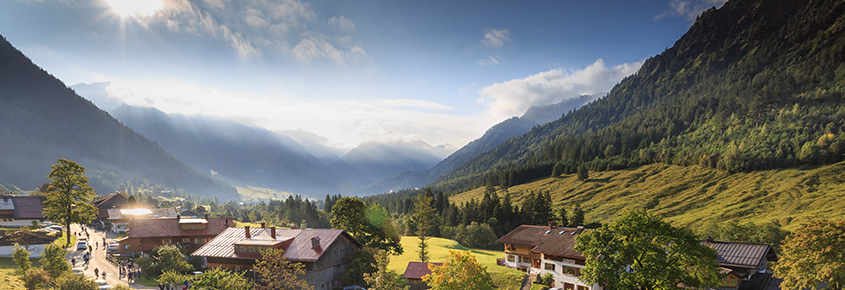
351,71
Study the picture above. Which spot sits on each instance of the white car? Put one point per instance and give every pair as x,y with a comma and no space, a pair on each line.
81,245
102,284
78,270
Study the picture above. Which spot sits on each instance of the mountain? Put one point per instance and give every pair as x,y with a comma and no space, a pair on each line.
370,162
753,85
493,137
43,120
240,154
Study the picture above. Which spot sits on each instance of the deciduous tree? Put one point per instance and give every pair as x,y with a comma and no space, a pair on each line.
35,278
278,273
71,281
370,226
639,251
217,278
69,196
53,260
813,255
21,257
459,272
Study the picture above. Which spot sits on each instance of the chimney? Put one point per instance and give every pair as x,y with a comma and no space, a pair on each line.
178,216
246,229
315,242
262,226
550,225
226,220
709,239
273,232
579,230
206,216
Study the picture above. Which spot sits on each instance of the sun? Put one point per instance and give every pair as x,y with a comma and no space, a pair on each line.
135,8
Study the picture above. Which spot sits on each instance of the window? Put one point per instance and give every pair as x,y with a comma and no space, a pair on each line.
510,258
165,242
570,271
583,287
186,240
729,281
550,266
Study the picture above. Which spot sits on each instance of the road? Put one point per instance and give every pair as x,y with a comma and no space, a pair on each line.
98,260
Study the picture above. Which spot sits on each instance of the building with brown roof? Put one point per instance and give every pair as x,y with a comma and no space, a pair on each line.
110,201
415,272
323,252
18,211
191,233
118,219
547,250
744,265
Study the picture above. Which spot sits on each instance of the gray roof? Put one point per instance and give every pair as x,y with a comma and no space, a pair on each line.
743,255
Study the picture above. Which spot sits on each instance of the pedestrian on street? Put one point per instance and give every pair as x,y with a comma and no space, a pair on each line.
160,286
96,272
73,261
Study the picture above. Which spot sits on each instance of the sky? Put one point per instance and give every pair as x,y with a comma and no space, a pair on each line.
352,71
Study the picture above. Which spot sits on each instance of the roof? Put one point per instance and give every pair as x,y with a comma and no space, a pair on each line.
108,197
743,255
557,241
416,270
32,238
118,214
28,207
7,202
299,249
169,227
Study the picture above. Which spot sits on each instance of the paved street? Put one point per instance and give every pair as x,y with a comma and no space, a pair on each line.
98,260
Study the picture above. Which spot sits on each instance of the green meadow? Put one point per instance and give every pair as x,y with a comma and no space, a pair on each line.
692,195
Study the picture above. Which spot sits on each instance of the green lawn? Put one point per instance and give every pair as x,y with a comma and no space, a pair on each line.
10,274
62,239
505,278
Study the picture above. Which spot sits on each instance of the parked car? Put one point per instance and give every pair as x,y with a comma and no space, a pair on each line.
78,270
113,248
354,287
82,245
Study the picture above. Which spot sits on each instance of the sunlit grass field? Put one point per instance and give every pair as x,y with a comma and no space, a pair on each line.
251,193
505,278
690,196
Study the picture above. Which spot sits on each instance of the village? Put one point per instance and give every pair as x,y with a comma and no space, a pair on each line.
107,249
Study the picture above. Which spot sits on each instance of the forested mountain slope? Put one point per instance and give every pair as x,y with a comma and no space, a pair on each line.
753,85
42,120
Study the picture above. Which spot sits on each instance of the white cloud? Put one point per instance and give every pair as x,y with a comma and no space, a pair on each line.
342,22
491,60
496,37
689,9
346,122
254,28
514,97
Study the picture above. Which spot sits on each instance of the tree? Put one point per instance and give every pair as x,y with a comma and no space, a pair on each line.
639,251
71,281
69,196
35,278
164,258
583,173
370,226
813,255
278,273
173,277
422,218
53,260
21,258
383,278
217,278
362,261
564,221
577,216
460,271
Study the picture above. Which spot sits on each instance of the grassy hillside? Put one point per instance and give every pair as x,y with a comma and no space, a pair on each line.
251,193
505,278
691,195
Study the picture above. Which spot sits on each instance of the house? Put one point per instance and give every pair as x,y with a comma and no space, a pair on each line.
415,272
110,201
34,242
744,265
18,211
547,250
118,219
191,233
323,252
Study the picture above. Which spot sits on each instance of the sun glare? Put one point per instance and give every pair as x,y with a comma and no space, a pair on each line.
139,8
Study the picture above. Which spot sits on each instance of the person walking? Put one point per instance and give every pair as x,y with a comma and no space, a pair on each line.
96,272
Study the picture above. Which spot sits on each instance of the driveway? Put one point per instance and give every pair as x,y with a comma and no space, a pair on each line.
98,260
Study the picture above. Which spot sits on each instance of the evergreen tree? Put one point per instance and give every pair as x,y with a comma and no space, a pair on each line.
422,218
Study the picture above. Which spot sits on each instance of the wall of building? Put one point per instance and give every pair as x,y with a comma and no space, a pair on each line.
34,251
17,223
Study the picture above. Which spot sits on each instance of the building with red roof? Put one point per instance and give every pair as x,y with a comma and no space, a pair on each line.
18,211
191,233
547,250
415,272
323,252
